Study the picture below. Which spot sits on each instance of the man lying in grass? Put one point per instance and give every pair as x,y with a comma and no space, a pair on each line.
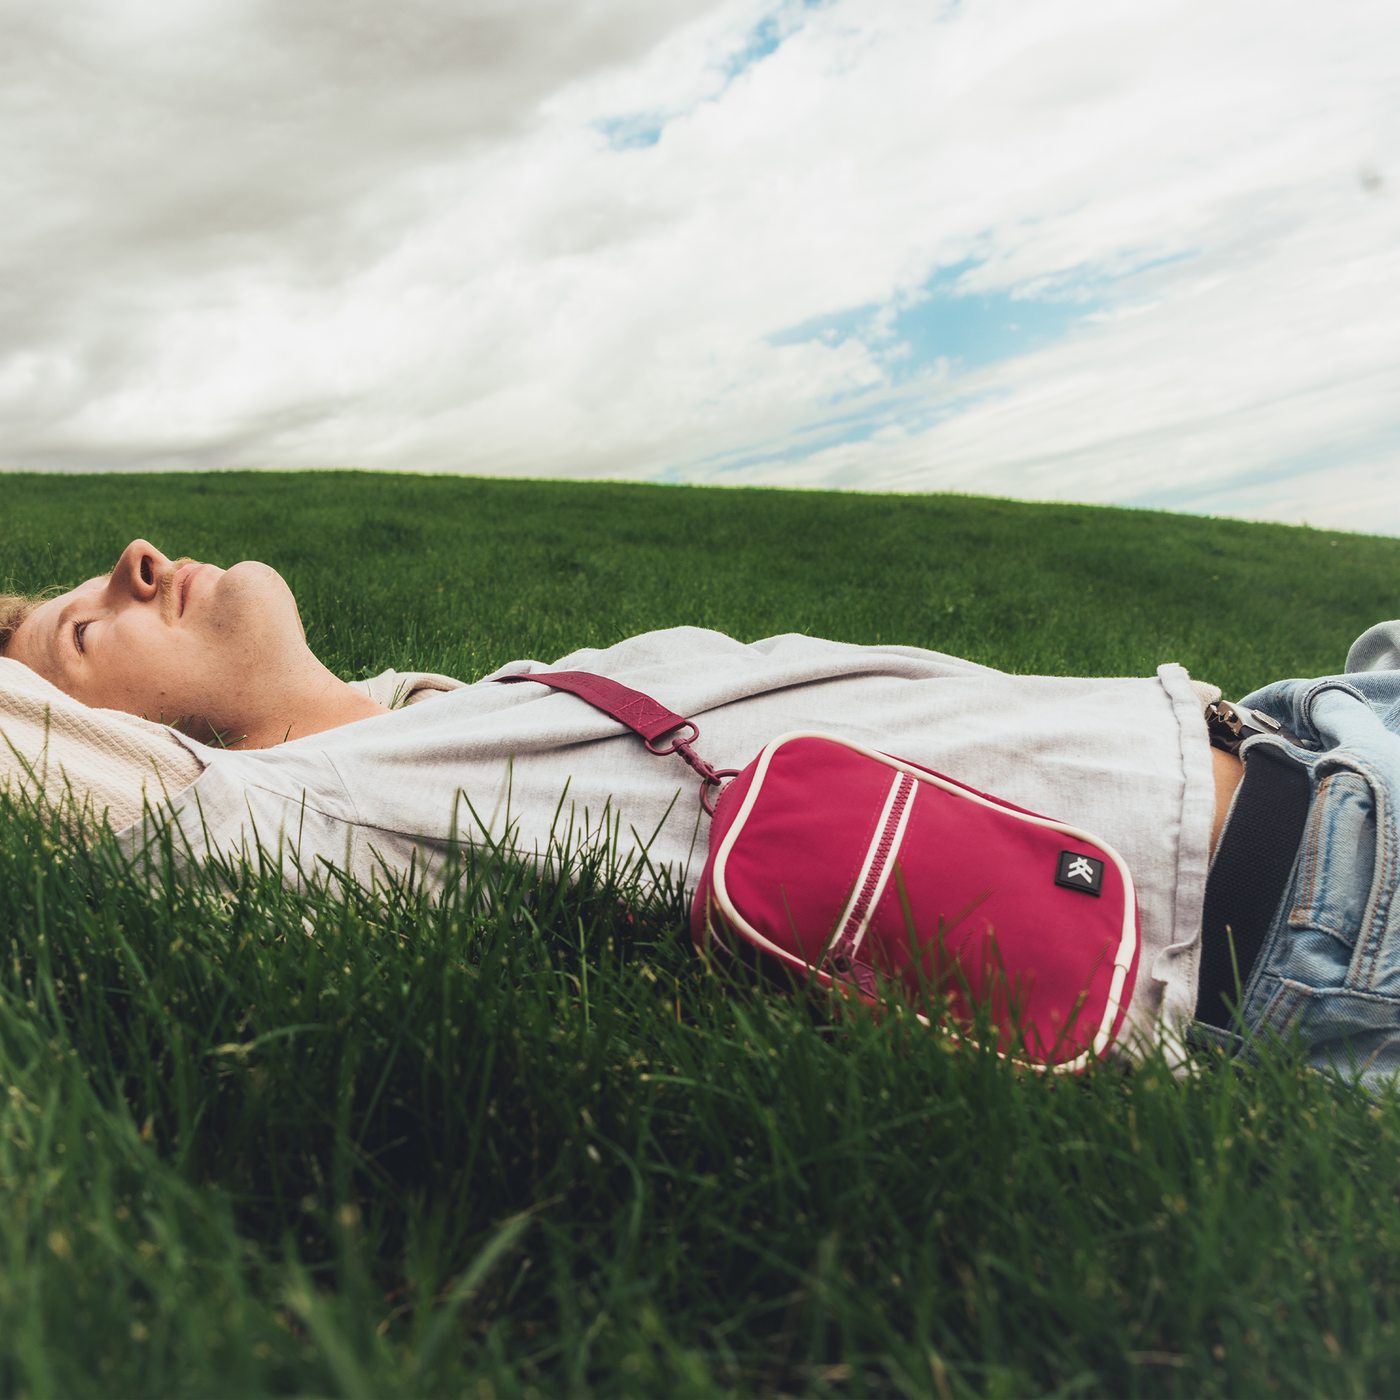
191,688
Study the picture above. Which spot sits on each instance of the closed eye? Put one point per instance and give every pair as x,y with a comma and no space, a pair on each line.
78,631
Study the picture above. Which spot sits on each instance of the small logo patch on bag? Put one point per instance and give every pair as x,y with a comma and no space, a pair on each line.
1080,872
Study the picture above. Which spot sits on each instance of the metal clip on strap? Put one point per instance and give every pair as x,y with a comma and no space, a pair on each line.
641,714
1230,725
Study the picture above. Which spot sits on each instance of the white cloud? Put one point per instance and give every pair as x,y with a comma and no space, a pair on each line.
432,236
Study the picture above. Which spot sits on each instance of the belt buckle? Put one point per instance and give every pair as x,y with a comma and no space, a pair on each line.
1230,726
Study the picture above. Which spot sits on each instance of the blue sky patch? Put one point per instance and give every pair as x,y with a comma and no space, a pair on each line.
633,132
640,129
962,330
763,39
944,324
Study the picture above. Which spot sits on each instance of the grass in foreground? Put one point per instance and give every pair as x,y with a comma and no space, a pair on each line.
378,1146
521,1141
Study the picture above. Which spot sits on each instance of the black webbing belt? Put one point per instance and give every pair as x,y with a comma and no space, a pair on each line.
1248,876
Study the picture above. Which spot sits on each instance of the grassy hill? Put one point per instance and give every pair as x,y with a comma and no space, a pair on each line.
462,574
519,1143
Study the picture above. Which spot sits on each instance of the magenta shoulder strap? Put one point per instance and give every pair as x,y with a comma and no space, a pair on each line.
644,716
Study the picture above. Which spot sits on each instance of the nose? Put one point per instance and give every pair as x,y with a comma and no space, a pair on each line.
139,570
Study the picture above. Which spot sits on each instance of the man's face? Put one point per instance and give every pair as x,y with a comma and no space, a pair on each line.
180,642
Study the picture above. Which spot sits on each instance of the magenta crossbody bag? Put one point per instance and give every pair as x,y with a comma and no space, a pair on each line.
849,866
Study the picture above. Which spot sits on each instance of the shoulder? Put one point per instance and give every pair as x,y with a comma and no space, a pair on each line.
397,689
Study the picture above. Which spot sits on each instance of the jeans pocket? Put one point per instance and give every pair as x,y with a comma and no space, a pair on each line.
1336,863
1355,1034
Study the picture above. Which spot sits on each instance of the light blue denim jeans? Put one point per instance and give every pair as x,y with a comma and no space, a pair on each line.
1329,969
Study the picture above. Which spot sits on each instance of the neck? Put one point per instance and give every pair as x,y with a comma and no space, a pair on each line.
310,704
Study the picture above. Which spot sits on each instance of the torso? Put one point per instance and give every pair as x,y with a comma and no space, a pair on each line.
1228,771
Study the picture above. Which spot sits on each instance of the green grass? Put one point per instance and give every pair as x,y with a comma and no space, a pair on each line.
521,1142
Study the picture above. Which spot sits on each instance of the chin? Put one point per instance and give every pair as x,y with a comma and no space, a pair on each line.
254,598
251,573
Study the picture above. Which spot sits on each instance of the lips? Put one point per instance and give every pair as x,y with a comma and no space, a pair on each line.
183,580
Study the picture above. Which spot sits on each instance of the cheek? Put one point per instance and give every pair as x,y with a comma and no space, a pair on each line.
134,667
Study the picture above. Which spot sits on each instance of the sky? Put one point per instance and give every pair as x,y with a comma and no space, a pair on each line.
1141,254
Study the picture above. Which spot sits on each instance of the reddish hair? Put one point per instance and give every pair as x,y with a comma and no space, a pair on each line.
14,608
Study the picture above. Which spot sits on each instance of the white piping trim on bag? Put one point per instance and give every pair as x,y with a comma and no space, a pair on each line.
1127,945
